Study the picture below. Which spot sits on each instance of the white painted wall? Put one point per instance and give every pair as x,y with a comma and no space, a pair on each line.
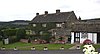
72,37
91,36
95,38
82,39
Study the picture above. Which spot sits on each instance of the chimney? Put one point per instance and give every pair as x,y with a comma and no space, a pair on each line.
46,12
37,14
79,18
57,11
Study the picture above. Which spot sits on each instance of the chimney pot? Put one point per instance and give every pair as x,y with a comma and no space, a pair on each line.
46,12
58,11
37,14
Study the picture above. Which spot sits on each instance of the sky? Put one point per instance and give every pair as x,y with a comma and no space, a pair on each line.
26,9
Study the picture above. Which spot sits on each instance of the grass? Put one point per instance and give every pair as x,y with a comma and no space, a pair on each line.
27,46
97,46
1,44
52,46
19,45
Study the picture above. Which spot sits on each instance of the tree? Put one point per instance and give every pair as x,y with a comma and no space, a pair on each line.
9,32
1,35
21,33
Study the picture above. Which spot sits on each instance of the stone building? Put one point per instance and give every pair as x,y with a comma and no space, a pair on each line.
66,24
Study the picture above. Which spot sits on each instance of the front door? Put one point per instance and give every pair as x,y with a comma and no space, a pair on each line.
77,37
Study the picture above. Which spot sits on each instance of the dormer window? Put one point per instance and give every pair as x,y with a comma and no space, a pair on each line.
34,25
43,25
58,25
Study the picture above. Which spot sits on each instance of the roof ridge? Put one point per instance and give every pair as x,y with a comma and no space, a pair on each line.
69,15
55,13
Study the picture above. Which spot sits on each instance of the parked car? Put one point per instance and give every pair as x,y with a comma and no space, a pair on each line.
87,41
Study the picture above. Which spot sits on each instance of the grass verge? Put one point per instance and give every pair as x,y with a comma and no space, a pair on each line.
27,46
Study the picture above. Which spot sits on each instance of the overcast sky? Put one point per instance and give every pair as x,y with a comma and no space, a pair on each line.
27,9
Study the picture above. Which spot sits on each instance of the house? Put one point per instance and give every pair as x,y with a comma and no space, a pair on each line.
59,24
66,25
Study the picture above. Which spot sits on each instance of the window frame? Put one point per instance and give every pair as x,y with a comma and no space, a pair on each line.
44,25
58,25
34,25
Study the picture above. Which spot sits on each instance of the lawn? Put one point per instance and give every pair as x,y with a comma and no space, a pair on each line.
97,46
27,46
0,43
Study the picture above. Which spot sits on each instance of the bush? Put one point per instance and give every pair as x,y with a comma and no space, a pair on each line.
21,33
46,36
12,39
9,32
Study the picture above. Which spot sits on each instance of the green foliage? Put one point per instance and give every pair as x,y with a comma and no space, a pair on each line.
21,33
39,27
9,32
50,26
97,46
1,34
12,39
14,35
61,38
1,43
46,36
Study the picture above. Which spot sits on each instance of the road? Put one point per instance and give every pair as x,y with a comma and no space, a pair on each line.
43,52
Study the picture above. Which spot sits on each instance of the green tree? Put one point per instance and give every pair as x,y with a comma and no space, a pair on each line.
21,33
1,35
9,32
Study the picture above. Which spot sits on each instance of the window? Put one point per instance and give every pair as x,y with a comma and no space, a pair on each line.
33,32
77,34
41,32
44,25
84,35
58,25
77,39
34,25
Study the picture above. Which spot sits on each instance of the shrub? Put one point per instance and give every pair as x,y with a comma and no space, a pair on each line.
9,32
21,33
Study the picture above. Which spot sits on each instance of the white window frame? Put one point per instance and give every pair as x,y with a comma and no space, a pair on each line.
44,25
41,32
77,34
77,39
58,25
34,25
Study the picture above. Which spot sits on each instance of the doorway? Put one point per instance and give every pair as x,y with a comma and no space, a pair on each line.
98,37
